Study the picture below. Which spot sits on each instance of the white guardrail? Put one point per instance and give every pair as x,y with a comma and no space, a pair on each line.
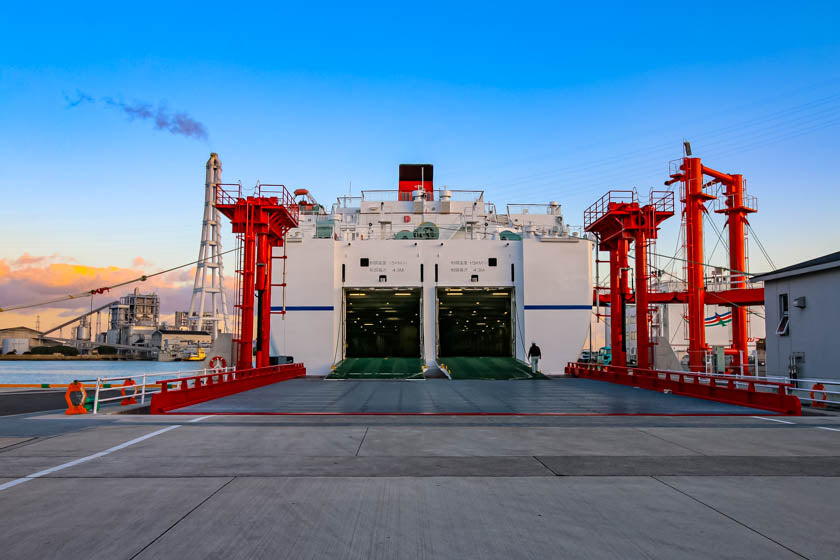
828,393
148,384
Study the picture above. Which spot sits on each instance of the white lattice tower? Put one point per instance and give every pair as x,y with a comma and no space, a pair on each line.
208,308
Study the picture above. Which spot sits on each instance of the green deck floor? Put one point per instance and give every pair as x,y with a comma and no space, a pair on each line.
462,367
378,368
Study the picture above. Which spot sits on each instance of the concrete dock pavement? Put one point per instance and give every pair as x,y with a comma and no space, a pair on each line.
419,487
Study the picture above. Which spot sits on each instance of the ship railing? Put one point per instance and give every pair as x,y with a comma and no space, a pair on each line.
380,195
348,201
145,384
375,233
393,195
537,209
722,282
718,283
669,286
576,231
358,232
462,195
471,224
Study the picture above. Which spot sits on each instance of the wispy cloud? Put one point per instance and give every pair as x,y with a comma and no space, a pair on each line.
28,260
179,123
80,98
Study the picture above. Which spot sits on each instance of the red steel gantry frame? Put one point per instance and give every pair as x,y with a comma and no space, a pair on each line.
261,222
691,173
618,220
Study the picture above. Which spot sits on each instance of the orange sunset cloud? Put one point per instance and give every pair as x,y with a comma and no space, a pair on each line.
32,279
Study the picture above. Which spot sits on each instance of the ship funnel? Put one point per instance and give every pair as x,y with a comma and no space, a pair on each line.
415,176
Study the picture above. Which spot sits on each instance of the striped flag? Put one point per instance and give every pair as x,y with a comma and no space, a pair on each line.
721,319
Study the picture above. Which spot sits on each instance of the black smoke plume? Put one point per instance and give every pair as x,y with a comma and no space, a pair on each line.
178,123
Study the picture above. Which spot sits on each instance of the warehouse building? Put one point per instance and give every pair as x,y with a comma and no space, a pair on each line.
802,307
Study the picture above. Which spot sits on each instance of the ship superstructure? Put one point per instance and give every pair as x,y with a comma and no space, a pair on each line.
431,275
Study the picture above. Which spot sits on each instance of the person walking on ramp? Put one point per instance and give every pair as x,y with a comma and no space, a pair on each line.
534,355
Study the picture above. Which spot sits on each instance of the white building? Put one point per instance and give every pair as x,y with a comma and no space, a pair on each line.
802,309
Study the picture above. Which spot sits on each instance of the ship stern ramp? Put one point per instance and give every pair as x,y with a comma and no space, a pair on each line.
382,337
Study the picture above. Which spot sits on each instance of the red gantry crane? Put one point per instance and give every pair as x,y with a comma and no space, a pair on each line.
618,220
696,192
260,222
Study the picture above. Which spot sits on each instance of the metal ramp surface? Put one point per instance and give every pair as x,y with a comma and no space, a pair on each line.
568,396
378,368
487,367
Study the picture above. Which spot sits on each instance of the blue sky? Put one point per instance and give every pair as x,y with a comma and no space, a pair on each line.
530,101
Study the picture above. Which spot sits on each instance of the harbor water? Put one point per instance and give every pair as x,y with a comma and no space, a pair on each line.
63,372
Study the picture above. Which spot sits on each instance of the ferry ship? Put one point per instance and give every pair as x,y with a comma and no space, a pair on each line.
397,281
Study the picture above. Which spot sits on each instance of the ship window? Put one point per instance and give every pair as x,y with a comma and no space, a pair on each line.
491,261
364,262
784,319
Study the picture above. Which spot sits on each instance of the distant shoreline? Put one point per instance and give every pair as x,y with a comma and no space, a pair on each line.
51,357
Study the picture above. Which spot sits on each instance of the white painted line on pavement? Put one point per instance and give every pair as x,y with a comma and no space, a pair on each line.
84,459
199,419
774,420
824,428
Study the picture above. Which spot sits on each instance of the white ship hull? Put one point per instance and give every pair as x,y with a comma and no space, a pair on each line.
548,278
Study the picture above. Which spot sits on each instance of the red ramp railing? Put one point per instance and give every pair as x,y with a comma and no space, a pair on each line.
753,392
178,393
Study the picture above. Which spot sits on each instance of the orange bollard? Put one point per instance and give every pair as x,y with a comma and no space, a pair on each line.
816,389
75,387
129,400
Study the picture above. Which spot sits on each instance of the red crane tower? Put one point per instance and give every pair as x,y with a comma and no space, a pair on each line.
260,222
618,219
691,172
